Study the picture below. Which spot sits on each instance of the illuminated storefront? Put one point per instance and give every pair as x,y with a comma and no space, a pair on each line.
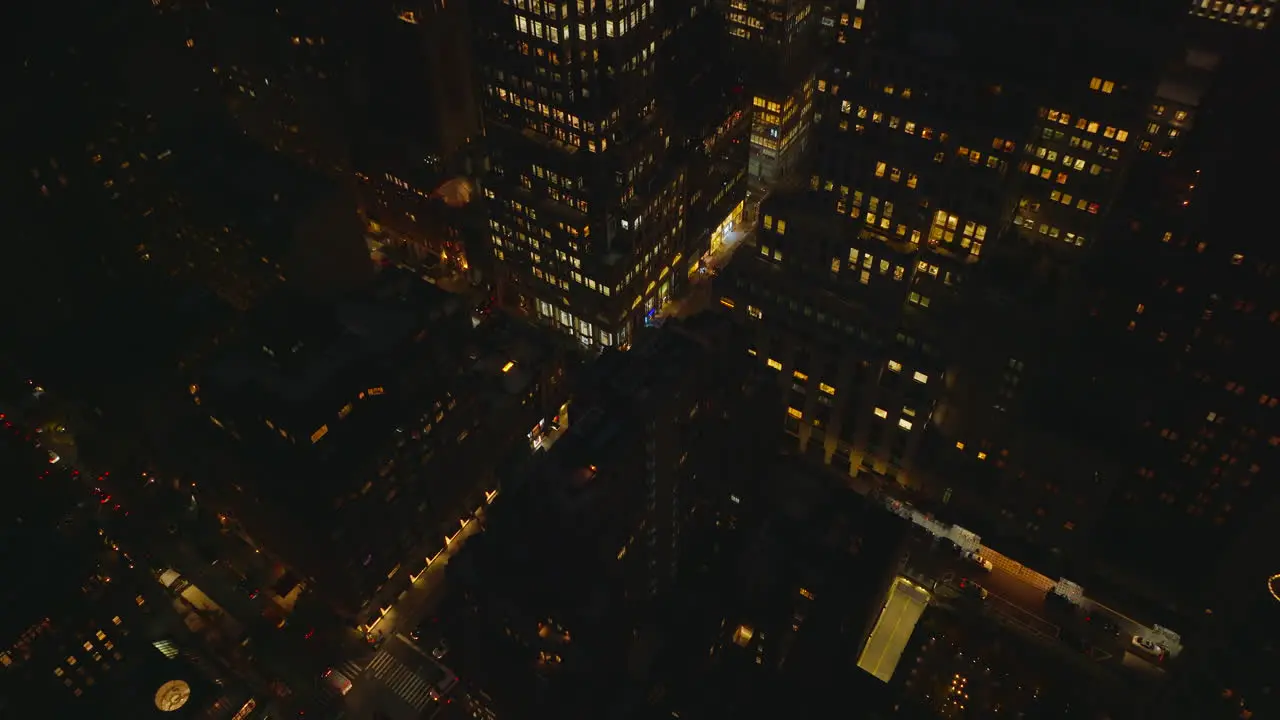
730,223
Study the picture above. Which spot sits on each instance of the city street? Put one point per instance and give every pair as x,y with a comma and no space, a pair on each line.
1013,601
403,617
698,296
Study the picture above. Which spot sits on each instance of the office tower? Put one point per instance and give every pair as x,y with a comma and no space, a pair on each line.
916,320
1186,319
713,121
586,211
773,41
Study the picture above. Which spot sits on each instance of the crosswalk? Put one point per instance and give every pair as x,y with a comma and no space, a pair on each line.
410,687
351,668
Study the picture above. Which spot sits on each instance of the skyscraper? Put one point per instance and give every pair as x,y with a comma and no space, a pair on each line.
922,321
773,40
587,214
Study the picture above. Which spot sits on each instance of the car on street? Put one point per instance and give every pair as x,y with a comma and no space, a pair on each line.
972,589
981,562
1148,648
340,683
441,649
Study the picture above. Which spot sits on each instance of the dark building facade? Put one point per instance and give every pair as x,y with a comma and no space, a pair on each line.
585,541
928,324
394,408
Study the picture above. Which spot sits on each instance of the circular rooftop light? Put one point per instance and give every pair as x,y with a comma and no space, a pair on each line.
172,695
1273,584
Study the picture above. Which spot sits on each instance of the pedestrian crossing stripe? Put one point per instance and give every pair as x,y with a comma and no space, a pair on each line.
351,669
404,682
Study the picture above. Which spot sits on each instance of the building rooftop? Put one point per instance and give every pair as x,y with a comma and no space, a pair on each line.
301,362
1023,42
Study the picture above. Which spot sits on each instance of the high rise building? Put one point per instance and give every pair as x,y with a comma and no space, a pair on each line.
922,321
586,541
713,122
1185,317
774,44
586,211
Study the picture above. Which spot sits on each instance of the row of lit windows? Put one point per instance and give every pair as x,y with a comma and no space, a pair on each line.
1048,230
895,122
846,21
541,7
1089,126
1239,12
945,226
975,158
1080,203
871,218
869,263
1102,86
746,21
1109,152
895,174
780,228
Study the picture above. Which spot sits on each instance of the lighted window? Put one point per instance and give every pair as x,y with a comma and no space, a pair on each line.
754,312
904,423
728,302
794,413
315,436
920,377
881,413
895,366
826,388
774,364
959,446
799,376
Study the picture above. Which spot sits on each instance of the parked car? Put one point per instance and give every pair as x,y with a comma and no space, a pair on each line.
981,562
1148,648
